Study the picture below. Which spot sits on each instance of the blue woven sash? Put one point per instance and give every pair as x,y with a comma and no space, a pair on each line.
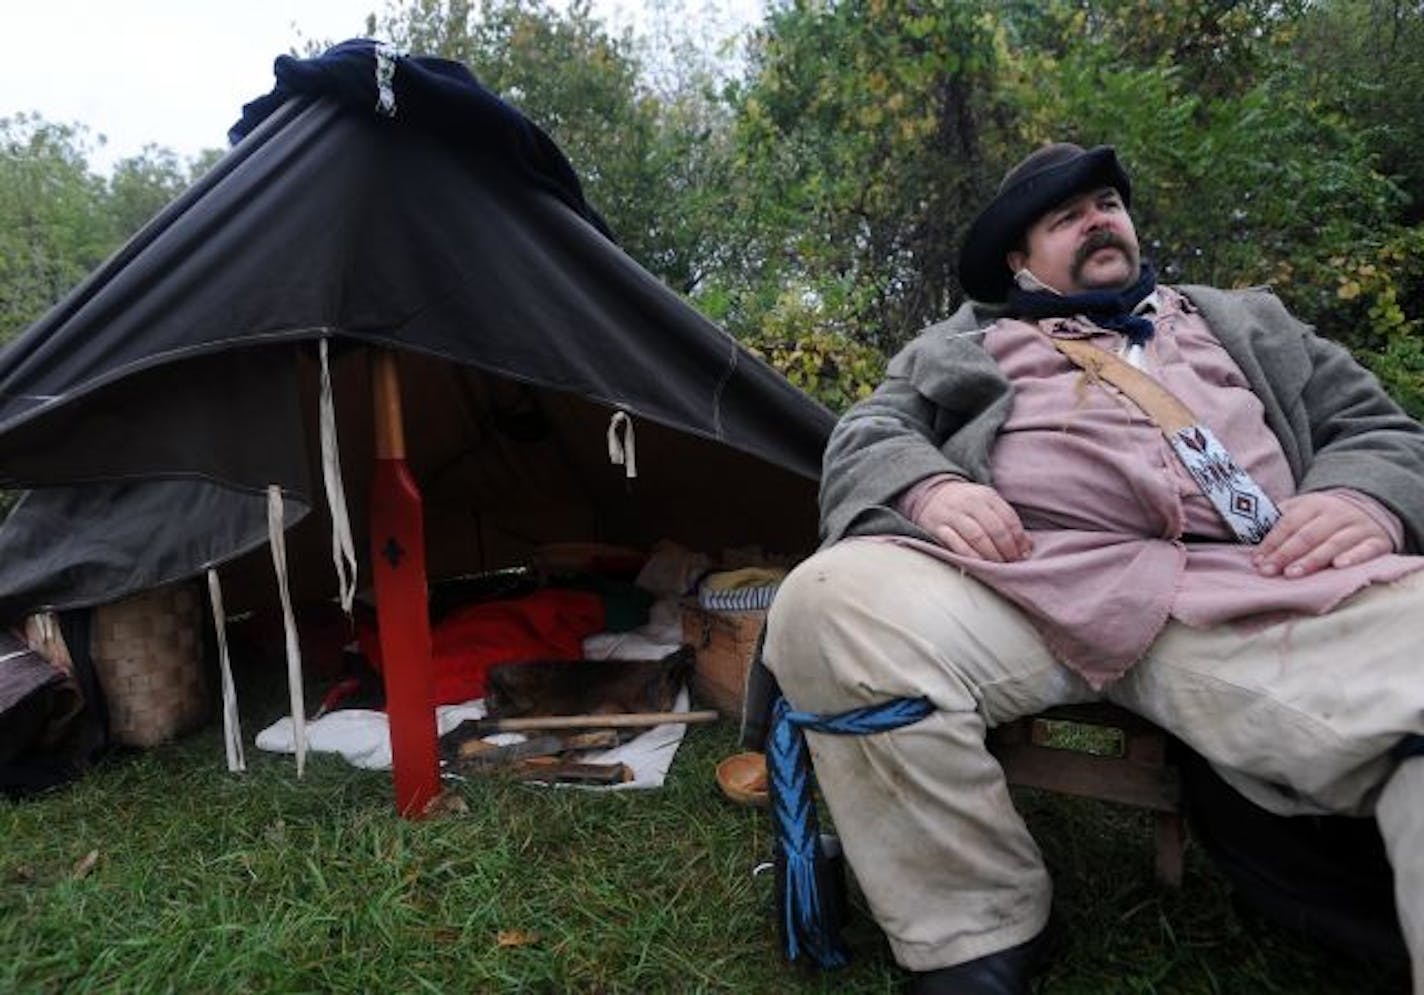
806,928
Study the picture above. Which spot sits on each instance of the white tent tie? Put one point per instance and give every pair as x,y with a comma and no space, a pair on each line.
386,57
343,547
277,537
622,449
48,627
232,726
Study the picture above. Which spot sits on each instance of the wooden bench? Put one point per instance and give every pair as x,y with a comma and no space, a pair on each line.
1137,772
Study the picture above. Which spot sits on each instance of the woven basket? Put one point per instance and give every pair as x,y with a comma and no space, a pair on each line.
724,643
147,653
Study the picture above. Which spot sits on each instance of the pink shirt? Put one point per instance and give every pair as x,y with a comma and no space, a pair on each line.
1107,503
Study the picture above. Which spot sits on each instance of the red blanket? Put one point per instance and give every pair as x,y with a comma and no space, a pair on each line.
549,624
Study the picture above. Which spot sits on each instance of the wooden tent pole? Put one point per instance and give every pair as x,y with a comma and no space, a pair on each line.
402,603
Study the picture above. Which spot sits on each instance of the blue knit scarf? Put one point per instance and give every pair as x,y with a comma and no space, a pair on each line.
1110,309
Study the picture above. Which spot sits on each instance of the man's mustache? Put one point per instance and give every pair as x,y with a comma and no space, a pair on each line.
1102,239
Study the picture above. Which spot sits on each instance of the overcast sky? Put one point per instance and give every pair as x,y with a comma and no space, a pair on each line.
177,72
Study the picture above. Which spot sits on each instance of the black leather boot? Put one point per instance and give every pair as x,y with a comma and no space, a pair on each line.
1006,972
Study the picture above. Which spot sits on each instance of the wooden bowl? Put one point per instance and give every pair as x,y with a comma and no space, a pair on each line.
742,778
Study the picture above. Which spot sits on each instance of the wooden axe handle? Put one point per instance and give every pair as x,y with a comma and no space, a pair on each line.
615,720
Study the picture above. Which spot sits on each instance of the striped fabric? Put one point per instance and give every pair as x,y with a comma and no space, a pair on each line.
736,599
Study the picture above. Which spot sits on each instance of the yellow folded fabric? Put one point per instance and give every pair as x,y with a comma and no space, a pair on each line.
731,580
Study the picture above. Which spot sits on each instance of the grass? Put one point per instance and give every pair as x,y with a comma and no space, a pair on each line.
211,882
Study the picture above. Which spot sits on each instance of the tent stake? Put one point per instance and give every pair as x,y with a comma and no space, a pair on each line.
402,607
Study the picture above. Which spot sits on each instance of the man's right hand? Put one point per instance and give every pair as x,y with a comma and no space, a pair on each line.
973,520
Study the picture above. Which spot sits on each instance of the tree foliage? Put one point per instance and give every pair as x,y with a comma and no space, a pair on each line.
59,219
52,231
1362,60
859,129
142,185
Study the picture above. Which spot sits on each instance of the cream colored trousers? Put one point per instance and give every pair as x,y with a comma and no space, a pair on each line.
1301,716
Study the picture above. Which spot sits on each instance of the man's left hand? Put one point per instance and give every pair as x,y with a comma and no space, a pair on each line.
1318,531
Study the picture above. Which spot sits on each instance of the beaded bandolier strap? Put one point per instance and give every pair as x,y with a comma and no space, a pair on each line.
1238,499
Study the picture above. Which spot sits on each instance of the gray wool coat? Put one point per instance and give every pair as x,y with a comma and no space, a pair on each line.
944,399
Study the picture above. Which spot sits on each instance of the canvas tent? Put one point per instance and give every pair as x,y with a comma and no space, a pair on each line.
380,202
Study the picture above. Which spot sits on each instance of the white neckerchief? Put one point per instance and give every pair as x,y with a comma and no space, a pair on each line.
1133,353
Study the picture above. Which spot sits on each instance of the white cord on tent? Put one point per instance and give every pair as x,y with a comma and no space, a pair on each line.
232,727
622,451
386,57
343,548
277,538
48,627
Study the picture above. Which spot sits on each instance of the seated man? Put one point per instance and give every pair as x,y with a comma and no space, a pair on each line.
1012,522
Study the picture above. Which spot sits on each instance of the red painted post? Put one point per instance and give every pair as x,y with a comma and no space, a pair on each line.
402,604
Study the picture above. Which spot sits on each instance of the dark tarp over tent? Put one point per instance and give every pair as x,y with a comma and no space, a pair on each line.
150,409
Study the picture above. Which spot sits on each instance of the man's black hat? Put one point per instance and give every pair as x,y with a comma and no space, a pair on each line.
1045,179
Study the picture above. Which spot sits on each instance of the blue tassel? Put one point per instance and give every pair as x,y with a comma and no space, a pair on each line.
809,928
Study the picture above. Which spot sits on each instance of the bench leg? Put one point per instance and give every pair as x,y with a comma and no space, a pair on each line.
1171,837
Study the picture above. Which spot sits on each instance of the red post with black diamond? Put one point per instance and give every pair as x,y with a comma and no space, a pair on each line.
402,603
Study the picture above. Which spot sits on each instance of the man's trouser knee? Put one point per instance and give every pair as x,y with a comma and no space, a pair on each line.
923,812
1305,715
1300,716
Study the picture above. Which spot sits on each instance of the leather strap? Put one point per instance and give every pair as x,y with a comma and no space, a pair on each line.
1159,403
1246,509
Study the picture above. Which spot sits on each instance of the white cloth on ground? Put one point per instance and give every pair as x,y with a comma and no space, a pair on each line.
362,737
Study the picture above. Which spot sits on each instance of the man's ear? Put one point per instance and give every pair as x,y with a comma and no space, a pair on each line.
1016,259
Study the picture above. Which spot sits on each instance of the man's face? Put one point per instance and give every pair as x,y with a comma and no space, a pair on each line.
1085,243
